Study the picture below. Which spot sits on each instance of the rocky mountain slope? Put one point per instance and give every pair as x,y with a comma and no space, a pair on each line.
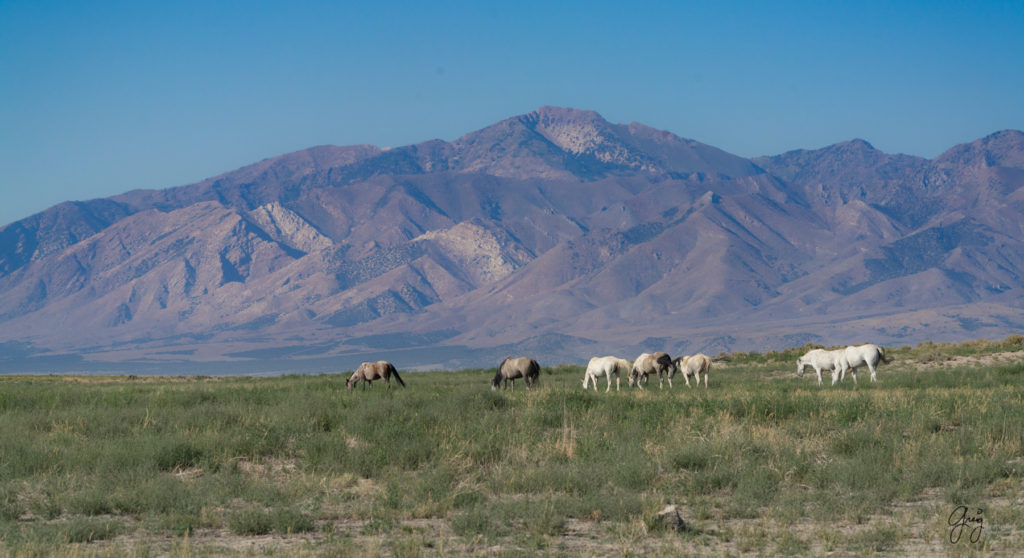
555,233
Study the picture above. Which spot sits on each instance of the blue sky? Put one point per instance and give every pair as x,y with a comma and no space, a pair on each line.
98,98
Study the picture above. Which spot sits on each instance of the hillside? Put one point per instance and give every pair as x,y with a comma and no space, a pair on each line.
555,233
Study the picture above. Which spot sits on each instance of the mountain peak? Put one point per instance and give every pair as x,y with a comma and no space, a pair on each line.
573,130
565,114
1000,149
855,144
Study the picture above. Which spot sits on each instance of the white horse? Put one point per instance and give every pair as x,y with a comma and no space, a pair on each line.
820,359
691,366
605,366
852,357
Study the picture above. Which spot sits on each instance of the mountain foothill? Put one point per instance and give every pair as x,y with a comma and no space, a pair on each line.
553,233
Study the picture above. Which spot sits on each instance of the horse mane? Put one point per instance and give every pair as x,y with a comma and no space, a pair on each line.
497,373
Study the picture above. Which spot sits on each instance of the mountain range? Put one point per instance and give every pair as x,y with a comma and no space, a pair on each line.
555,234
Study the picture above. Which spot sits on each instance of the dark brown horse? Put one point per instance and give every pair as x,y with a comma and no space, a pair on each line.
370,371
512,368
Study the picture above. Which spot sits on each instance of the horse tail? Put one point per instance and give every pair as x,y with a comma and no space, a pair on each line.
618,368
885,359
397,377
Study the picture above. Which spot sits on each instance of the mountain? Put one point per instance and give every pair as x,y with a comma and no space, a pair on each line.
554,233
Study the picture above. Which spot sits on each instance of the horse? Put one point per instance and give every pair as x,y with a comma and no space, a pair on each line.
868,354
370,371
512,368
820,359
605,366
691,366
646,364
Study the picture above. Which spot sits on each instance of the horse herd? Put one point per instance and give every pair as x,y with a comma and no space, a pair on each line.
645,366
839,361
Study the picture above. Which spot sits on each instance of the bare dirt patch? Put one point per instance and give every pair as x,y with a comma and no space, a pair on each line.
932,361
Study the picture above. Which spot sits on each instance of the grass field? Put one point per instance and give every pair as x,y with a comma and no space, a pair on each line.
763,462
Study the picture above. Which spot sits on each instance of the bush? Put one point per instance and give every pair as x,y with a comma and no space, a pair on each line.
85,530
176,454
250,521
289,521
474,521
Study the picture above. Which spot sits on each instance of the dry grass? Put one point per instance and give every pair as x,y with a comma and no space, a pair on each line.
760,463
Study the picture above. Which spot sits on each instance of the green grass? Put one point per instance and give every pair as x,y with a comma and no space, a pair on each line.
761,462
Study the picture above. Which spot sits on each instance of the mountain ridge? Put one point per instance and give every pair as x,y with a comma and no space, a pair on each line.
555,224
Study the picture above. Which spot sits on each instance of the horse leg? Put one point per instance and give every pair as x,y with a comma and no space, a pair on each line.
872,369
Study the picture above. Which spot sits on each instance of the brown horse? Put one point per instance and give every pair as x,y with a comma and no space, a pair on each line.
512,368
646,364
370,371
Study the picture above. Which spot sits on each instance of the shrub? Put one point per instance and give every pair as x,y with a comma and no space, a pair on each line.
176,454
83,530
474,521
250,521
289,521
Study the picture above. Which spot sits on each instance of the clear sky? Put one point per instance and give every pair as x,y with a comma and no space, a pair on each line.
98,98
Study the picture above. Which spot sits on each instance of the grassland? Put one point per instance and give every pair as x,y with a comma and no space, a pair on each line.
763,462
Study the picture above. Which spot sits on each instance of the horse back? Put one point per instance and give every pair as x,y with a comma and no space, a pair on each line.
704,362
662,359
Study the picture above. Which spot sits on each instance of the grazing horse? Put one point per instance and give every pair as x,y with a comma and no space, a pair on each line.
605,366
691,366
820,359
868,354
646,364
512,368
370,371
